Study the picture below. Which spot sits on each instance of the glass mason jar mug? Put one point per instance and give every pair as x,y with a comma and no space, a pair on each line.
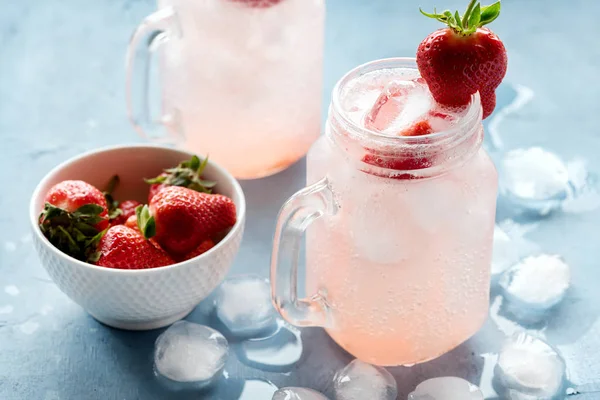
399,234
238,78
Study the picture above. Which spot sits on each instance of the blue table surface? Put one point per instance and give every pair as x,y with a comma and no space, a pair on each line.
61,93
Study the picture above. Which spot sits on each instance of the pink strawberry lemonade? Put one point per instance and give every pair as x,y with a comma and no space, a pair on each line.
404,264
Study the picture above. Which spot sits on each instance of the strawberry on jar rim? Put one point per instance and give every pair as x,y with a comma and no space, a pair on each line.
464,58
74,218
124,248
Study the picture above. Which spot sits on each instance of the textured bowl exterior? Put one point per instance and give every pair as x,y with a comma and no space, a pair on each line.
140,299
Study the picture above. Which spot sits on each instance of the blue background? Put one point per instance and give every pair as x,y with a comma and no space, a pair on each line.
61,93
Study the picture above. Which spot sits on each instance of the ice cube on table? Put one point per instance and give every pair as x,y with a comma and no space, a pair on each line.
190,353
529,368
296,393
447,388
534,179
359,381
243,305
276,353
535,285
400,104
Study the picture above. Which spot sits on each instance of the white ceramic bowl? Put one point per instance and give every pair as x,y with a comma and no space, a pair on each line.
136,299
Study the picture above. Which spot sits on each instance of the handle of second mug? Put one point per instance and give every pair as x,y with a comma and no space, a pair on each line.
153,32
302,209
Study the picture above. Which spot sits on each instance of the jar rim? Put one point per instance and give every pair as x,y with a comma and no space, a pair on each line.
472,116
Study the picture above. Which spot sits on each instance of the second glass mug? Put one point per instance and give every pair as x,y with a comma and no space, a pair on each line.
397,265
238,83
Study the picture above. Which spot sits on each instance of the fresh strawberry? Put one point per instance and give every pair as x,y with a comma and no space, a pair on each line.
71,195
182,218
258,3
203,248
464,58
127,210
187,174
74,219
124,248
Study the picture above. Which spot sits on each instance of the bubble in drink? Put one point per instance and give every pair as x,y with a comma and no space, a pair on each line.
534,179
296,393
243,305
534,286
529,368
447,388
190,353
359,380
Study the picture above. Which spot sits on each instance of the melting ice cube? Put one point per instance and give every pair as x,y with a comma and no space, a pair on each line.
244,306
295,393
359,380
448,388
277,353
529,368
190,353
535,285
535,179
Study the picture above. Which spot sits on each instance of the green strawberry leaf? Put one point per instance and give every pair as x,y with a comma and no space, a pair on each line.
474,19
458,21
94,257
158,179
89,210
145,221
187,174
195,163
490,13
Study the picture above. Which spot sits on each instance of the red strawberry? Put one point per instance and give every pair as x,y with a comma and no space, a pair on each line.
74,219
184,218
258,3
124,248
71,195
127,210
203,248
187,174
464,58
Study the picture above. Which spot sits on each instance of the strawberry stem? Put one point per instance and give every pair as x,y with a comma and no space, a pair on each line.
475,16
465,19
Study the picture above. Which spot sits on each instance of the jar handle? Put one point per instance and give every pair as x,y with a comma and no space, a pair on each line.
302,209
154,31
